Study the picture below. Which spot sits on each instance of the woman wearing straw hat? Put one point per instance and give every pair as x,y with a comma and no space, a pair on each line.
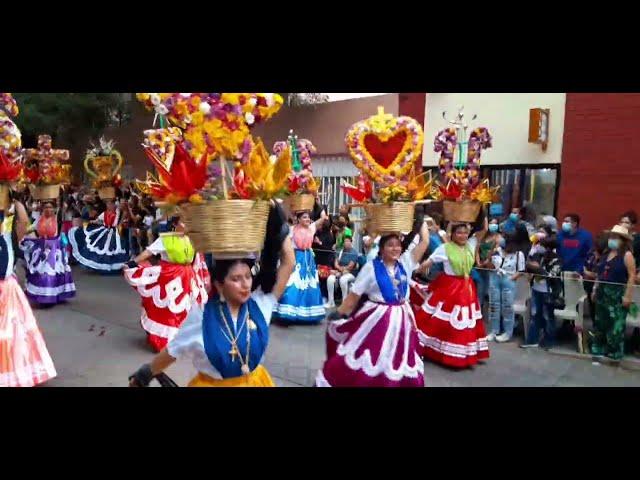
613,293
302,299
228,338
49,278
377,345
169,288
449,323
24,358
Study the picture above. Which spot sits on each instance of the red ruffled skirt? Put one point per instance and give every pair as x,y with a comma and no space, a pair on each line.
449,323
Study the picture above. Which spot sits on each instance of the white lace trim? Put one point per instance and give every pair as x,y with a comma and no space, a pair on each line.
321,381
105,267
156,328
453,317
303,284
300,311
50,291
163,297
29,375
35,265
454,349
94,236
400,316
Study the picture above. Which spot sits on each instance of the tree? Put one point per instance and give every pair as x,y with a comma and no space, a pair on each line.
68,117
304,99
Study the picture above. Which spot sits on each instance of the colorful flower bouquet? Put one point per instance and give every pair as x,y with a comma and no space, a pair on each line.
209,164
10,137
385,149
103,164
460,187
47,169
302,187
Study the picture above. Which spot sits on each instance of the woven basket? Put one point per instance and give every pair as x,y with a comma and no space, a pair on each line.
45,192
4,196
107,193
233,228
303,202
466,211
386,218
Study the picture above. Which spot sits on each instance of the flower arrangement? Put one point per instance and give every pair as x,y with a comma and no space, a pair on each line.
207,127
45,165
301,179
385,149
103,164
10,170
215,123
460,173
10,136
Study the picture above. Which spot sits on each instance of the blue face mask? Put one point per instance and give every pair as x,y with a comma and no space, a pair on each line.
514,217
613,243
493,227
566,227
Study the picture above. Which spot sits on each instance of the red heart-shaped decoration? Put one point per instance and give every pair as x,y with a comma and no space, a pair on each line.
385,153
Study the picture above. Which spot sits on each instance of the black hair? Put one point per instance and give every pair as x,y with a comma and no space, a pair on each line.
418,220
384,239
574,217
303,212
631,215
601,242
277,232
221,268
457,226
550,243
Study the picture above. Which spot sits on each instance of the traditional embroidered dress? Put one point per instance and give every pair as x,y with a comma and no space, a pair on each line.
302,299
100,247
449,322
169,289
49,277
227,351
378,345
24,358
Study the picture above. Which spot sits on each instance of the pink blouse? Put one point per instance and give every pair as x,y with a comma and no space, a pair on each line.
303,236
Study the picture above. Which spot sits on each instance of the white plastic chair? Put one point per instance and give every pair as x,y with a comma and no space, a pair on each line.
522,301
574,299
634,322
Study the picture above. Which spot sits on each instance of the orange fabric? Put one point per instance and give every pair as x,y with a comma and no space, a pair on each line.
47,227
258,378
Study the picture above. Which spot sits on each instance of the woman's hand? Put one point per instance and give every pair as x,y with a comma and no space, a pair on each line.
626,302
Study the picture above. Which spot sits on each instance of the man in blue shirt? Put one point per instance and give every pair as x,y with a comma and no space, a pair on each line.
574,244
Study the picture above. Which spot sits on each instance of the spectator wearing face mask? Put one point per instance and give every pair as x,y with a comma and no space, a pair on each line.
628,220
487,247
574,244
519,217
509,262
546,292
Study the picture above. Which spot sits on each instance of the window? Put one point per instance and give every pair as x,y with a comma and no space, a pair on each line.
526,186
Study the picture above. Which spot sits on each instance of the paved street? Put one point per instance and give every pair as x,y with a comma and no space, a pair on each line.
96,340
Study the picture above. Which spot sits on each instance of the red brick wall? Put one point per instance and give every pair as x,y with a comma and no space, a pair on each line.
600,176
413,105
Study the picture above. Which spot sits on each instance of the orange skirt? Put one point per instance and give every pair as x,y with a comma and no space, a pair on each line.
258,378
24,358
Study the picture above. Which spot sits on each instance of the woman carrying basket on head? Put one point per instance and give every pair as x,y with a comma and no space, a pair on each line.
302,299
228,338
49,278
170,287
377,345
450,321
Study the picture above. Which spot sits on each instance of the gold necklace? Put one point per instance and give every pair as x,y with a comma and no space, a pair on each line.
235,351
